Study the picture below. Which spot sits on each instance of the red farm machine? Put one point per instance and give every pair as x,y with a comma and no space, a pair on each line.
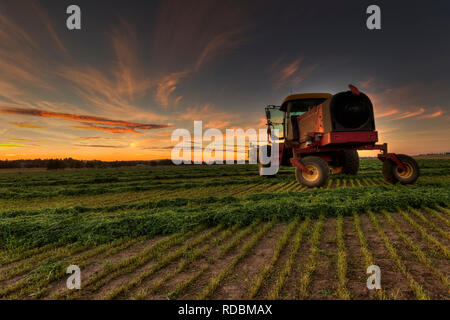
320,131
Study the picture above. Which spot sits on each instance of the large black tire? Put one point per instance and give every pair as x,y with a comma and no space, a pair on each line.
320,176
393,174
350,161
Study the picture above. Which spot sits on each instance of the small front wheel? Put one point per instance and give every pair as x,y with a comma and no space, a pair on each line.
393,174
319,172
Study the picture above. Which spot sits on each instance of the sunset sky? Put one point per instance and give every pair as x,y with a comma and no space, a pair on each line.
137,70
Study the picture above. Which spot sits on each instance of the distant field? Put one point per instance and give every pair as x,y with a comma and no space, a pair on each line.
223,232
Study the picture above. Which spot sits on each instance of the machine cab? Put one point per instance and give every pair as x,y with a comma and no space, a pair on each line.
284,117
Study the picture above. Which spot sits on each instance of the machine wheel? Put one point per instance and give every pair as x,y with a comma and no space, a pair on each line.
393,174
350,161
320,175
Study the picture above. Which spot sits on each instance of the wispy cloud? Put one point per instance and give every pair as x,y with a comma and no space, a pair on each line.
433,115
406,115
107,129
290,73
386,113
210,115
23,140
10,145
88,121
27,125
125,42
98,146
96,138
219,44
167,86
399,103
48,23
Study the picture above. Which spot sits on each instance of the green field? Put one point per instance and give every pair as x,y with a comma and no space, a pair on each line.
222,232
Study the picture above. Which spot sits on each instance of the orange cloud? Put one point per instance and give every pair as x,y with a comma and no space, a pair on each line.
22,140
209,115
217,124
125,42
97,138
387,113
219,44
366,84
433,115
98,146
290,73
108,129
26,125
410,114
289,70
168,85
126,125
11,145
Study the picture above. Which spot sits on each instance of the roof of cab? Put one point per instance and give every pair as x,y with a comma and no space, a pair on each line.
307,96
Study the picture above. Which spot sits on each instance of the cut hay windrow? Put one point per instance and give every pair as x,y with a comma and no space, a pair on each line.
382,181
25,193
270,187
184,285
172,216
29,264
368,257
217,281
285,187
162,261
250,189
444,210
279,246
420,255
286,271
428,223
196,254
226,248
428,237
342,290
50,270
293,187
338,183
238,238
438,215
416,287
11,256
311,263
131,263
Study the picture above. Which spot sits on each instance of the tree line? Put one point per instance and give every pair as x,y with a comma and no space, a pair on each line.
54,164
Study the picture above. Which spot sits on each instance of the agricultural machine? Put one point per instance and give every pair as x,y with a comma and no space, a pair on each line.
320,131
